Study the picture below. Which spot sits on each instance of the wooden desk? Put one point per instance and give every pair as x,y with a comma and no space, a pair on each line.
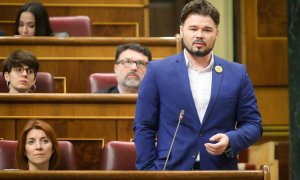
117,18
263,174
87,120
84,115
107,116
77,58
87,117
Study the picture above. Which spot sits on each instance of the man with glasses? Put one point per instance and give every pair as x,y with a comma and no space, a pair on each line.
20,71
130,67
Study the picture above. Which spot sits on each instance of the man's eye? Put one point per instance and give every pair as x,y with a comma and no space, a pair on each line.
141,63
127,62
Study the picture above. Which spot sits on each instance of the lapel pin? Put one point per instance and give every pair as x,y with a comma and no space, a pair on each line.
218,69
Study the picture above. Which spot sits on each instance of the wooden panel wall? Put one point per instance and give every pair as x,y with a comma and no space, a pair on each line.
84,119
262,46
87,120
77,58
118,18
105,116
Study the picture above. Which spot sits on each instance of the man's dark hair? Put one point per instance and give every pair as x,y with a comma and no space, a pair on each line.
133,46
201,7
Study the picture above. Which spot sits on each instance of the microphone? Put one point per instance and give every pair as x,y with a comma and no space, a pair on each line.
181,115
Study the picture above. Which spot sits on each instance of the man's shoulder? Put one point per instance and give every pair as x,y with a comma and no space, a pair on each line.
227,63
113,89
169,59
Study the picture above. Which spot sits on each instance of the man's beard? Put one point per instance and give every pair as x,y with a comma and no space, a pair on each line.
198,52
132,82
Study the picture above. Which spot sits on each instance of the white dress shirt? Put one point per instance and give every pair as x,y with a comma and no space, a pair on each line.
200,82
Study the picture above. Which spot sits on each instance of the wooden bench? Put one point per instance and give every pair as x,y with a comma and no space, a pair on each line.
118,18
107,116
78,116
72,60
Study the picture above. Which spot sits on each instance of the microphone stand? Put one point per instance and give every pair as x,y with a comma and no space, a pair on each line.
179,120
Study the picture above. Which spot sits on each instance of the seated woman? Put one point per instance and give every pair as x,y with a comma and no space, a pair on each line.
33,20
38,148
20,71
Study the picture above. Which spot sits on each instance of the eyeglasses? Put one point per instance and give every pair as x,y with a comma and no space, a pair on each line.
128,63
20,70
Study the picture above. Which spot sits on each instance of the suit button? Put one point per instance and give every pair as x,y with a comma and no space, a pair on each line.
201,134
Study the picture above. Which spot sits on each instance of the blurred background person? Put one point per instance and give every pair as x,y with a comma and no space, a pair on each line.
2,32
20,71
38,147
33,20
130,67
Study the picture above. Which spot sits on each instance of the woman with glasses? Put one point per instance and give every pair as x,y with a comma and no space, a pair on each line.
20,71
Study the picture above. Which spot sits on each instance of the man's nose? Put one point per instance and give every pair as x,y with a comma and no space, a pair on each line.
199,33
133,66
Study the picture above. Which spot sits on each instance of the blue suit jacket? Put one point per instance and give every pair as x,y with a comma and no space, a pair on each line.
165,91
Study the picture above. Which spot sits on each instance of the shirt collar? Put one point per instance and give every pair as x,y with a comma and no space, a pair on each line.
207,68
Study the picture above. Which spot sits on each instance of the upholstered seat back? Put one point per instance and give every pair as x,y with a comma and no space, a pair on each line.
73,25
100,81
7,154
118,155
68,161
8,149
44,83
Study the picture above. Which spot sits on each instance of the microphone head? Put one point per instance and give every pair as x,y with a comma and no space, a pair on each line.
181,115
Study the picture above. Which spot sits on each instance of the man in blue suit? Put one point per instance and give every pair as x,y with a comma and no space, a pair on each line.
221,116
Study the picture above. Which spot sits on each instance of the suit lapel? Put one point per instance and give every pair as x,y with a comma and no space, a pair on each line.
217,76
184,82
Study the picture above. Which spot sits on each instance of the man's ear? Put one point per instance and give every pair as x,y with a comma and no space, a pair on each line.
181,31
115,68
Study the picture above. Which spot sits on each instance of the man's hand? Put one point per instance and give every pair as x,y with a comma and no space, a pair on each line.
219,144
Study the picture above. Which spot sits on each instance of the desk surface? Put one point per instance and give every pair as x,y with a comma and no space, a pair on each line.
153,175
15,40
67,98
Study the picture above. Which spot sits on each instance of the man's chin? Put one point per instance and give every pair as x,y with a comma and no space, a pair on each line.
132,83
199,53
